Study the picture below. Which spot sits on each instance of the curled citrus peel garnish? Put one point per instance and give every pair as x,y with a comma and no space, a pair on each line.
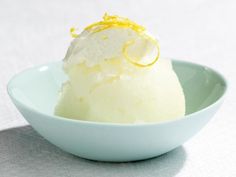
72,32
114,21
135,61
110,21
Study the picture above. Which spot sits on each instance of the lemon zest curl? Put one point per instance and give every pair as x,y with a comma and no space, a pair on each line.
114,21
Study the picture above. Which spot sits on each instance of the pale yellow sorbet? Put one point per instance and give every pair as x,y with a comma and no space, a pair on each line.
104,87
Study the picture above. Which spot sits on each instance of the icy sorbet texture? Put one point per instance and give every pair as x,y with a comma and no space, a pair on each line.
115,75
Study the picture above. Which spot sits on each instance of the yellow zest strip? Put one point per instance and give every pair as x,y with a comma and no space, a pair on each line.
129,59
115,21
72,33
110,21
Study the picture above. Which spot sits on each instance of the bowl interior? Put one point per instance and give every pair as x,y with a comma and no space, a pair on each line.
39,87
202,86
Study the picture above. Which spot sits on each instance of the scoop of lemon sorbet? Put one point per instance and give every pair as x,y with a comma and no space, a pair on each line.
115,76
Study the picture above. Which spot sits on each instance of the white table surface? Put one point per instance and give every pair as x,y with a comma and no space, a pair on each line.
36,32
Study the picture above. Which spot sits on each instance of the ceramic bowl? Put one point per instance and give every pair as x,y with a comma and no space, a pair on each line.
35,93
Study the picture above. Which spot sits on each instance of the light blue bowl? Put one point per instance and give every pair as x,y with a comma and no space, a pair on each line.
35,93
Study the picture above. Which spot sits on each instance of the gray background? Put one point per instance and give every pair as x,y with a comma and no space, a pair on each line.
36,32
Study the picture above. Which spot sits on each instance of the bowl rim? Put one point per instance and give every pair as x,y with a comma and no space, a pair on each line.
94,123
